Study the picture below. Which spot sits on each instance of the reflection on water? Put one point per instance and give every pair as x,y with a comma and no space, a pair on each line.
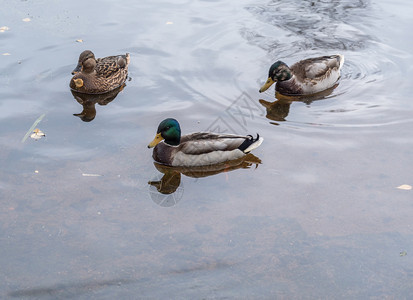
88,101
166,190
279,109
170,182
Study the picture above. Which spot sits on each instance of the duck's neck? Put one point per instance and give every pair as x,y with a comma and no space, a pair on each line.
89,72
285,75
173,142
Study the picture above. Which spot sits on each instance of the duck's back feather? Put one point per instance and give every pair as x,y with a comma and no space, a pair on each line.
107,66
319,67
204,142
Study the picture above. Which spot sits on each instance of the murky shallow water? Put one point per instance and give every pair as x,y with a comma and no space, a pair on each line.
320,217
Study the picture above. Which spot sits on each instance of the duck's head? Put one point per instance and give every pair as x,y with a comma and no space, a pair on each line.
87,67
279,71
83,57
168,130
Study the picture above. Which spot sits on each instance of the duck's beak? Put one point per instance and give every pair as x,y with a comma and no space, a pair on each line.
78,82
77,69
267,85
158,138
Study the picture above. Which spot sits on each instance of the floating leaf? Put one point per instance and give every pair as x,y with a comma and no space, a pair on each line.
26,20
403,253
32,127
4,28
37,134
405,187
79,40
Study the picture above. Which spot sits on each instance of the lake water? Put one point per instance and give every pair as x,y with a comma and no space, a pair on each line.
315,213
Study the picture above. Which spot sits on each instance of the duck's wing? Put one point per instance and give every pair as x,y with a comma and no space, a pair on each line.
318,67
203,142
107,66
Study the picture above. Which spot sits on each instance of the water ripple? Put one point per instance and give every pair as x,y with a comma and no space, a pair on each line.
316,25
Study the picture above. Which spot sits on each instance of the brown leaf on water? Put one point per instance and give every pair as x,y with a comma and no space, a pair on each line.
32,127
405,187
79,40
37,134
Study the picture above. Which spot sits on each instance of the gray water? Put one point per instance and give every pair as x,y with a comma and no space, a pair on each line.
315,213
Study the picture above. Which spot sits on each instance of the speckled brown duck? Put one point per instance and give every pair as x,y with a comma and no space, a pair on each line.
98,76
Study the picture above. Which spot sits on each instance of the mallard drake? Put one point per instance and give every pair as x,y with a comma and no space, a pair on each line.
305,77
198,149
98,76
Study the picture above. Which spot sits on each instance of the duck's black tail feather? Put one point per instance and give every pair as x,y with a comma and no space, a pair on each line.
250,143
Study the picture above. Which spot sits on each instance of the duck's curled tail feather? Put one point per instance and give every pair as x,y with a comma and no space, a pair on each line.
251,143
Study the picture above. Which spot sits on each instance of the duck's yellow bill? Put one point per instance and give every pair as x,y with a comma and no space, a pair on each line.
158,138
267,85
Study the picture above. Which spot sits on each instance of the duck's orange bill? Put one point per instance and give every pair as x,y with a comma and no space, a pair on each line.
267,85
158,138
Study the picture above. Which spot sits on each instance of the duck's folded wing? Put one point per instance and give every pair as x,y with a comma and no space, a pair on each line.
313,68
107,66
201,143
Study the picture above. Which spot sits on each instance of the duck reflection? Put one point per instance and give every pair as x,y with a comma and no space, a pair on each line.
279,109
168,190
88,101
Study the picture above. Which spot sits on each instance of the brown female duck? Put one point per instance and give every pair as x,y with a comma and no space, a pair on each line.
98,76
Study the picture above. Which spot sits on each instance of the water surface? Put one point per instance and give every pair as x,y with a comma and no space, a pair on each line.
319,217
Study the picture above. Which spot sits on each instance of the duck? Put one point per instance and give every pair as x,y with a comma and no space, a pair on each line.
98,76
200,148
306,77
